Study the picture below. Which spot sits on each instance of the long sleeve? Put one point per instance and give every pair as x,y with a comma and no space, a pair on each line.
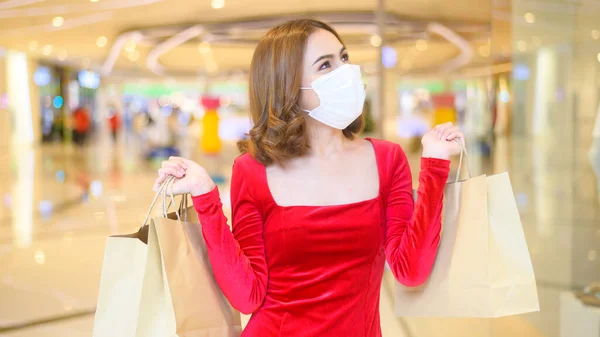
413,231
238,258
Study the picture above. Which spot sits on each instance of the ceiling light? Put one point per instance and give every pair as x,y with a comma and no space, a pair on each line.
375,40
62,55
101,41
484,50
33,45
598,56
40,257
522,45
94,0
47,50
217,4
204,48
421,45
595,34
58,21
529,17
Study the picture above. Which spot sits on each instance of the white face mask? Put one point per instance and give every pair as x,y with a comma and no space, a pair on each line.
342,95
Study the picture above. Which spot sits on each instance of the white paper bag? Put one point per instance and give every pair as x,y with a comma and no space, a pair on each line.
483,267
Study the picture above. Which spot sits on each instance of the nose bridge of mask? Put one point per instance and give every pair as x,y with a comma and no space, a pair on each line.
340,76
319,82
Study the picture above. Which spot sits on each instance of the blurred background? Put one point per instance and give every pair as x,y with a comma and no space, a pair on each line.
95,93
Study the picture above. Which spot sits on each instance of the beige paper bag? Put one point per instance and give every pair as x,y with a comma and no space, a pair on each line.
483,267
175,294
121,281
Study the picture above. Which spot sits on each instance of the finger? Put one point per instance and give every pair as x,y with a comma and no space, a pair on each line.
158,182
188,162
453,135
442,133
175,166
452,128
172,163
448,131
178,160
156,185
443,126
160,179
171,171
437,131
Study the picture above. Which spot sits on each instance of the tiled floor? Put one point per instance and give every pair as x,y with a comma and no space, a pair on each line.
52,233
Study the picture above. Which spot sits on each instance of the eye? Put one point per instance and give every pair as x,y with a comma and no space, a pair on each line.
345,57
325,65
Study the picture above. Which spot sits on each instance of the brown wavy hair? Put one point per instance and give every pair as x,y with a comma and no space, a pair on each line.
279,131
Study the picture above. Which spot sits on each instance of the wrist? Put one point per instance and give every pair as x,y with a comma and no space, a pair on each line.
202,187
436,154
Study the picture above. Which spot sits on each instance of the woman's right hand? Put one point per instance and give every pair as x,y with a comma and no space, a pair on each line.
192,178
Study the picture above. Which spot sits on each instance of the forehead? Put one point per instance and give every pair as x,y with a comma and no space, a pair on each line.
321,42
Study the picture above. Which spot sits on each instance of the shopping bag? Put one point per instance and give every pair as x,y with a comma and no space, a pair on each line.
175,293
121,281
483,267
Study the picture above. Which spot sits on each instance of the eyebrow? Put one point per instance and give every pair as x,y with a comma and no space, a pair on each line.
328,56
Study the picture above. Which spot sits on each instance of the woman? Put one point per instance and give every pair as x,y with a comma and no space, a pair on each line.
316,210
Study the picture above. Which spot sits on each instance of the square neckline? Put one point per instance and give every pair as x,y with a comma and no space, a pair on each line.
357,203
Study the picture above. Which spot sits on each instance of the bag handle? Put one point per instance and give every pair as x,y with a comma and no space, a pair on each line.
169,188
463,153
183,205
166,188
180,211
160,192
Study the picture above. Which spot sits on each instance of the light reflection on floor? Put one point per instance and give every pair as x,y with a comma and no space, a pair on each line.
58,204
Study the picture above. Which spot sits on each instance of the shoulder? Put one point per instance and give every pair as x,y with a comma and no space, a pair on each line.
249,178
388,152
248,170
246,162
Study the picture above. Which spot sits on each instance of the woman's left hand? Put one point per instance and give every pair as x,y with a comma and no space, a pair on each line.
439,142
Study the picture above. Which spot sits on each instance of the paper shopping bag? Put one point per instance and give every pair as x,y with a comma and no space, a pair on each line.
176,295
121,281
483,267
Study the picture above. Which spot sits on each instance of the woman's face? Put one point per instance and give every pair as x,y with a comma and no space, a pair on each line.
323,54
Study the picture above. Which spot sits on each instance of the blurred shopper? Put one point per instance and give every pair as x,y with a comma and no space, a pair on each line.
81,125
316,209
114,122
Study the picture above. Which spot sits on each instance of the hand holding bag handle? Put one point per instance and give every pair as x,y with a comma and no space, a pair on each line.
160,192
168,183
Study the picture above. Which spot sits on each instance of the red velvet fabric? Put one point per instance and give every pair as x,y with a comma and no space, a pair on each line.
317,271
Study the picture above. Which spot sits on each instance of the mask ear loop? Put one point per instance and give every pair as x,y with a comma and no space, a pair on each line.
306,88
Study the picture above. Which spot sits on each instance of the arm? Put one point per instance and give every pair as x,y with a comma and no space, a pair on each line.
413,231
238,258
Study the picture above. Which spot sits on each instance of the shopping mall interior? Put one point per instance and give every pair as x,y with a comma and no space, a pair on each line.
95,93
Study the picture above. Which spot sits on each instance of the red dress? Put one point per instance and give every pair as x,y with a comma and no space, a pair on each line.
317,270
